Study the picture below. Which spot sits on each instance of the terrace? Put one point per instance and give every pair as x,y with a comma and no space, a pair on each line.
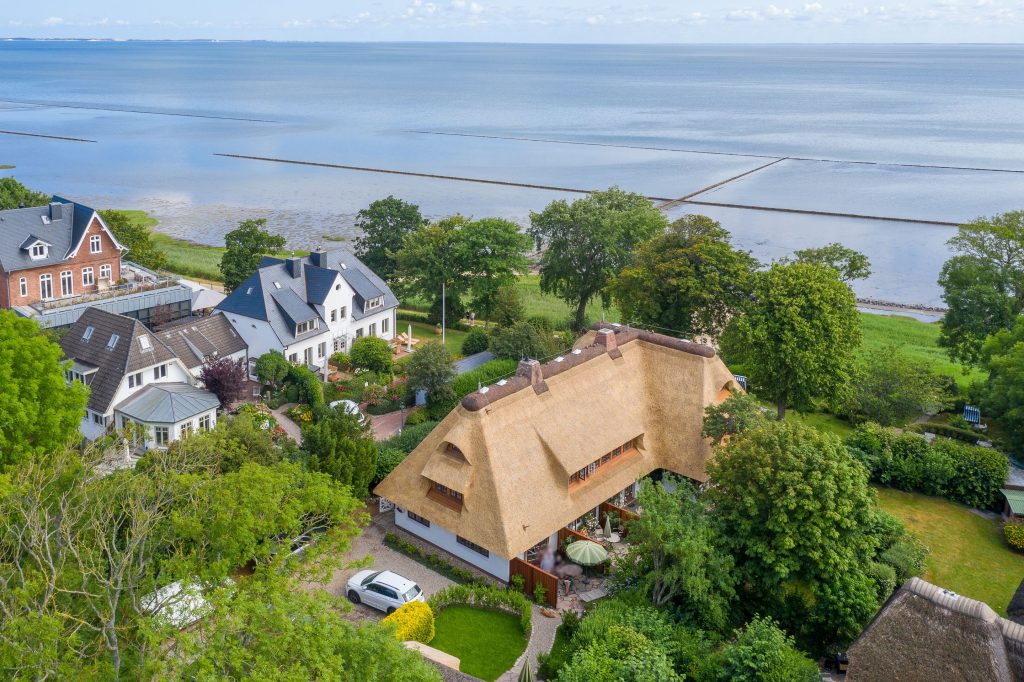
134,279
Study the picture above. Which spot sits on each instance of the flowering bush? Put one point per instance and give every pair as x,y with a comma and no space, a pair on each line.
260,414
413,621
1014,534
301,414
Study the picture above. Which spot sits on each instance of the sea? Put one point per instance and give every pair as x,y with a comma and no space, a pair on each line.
884,148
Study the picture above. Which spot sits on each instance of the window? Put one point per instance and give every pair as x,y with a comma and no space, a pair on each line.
88,278
334,316
38,251
472,545
105,271
45,286
159,372
66,288
112,343
134,380
97,418
293,358
186,430
605,459
359,333
23,286
94,244
453,450
144,343
385,324
373,303
373,329
204,422
321,350
418,519
161,435
303,327
341,312
446,496
308,356
339,344
87,334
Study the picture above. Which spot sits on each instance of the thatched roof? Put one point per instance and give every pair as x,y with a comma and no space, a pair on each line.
926,633
521,440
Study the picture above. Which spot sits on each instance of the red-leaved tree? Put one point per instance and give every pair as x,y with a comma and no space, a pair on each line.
225,378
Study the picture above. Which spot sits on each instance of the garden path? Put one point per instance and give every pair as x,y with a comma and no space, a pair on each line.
542,637
471,362
386,425
285,422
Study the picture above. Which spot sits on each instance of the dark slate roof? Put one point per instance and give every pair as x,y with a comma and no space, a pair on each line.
168,403
1015,610
61,224
260,298
32,239
924,633
196,339
112,364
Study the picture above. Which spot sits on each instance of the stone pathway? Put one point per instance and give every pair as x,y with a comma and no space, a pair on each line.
285,422
386,425
542,637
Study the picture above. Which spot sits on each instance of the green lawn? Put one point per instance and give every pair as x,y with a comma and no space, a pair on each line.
486,643
823,422
916,339
453,338
968,553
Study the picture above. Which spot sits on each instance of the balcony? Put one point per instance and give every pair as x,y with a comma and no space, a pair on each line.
137,280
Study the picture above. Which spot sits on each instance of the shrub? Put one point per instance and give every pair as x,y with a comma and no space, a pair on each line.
442,566
416,418
486,597
947,431
517,583
413,621
540,593
628,610
1014,534
484,375
308,387
520,340
475,342
410,437
341,360
762,647
371,352
387,460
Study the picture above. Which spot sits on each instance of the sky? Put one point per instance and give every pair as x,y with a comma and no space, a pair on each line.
551,21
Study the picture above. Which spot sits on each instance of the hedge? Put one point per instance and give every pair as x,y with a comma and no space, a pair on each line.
413,621
486,597
947,431
442,566
484,375
964,473
475,342
1014,534
410,437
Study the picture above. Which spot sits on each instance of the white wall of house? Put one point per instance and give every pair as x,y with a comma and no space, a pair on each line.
89,428
445,539
240,355
203,421
258,335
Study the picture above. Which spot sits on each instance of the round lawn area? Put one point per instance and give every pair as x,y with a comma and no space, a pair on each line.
486,642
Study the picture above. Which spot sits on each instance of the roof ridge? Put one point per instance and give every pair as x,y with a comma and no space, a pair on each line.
951,600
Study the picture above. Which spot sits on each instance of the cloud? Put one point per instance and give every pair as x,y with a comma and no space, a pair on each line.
53,21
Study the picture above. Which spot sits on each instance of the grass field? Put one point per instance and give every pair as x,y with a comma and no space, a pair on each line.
486,643
916,339
968,553
453,338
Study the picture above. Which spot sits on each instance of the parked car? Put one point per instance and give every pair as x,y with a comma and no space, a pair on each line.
349,406
382,590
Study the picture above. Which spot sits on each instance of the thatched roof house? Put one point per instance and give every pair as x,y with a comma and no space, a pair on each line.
519,460
927,633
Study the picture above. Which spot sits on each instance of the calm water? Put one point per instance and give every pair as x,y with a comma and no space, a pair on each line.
159,112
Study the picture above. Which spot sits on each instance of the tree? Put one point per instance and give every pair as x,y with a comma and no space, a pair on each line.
494,251
799,339
738,413
384,224
793,508
762,652
246,246
431,369
892,388
272,368
848,263
225,378
621,655
983,284
133,234
340,446
41,410
13,194
689,280
521,340
235,441
372,353
586,243
475,342
430,259
673,556
1003,395
507,308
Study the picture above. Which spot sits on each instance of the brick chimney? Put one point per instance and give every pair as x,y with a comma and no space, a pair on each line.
294,265
316,257
606,338
531,370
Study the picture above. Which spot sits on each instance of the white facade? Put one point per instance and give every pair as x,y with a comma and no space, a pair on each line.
160,434
448,541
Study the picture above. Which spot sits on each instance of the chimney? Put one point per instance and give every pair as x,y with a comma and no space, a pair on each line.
316,257
606,338
56,211
294,265
531,370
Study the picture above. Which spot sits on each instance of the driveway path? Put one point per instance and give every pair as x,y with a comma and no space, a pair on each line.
285,422
542,637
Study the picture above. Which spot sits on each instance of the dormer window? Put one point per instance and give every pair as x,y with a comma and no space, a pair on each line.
445,495
452,450
303,327
38,251
372,303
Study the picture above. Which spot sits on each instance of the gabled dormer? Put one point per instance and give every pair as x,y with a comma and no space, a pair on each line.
36,247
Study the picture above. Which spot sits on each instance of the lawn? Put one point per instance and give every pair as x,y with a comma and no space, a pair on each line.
453,338
915,339
968,553
486,643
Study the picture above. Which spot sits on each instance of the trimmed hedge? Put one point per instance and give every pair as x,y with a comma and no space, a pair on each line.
413,622
964,473
442,566
484,375
486,597
411,316
947,431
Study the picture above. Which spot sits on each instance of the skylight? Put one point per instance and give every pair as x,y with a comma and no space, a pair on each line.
87,334
114,338
277,285
144,342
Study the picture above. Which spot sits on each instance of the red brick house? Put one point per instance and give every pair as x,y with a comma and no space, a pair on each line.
62,250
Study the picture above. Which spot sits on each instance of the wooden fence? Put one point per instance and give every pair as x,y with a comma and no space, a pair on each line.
533,576
624,514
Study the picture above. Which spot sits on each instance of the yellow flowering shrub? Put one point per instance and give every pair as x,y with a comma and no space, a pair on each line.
413,621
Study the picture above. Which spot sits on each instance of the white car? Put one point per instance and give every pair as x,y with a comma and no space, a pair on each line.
349,406
382,590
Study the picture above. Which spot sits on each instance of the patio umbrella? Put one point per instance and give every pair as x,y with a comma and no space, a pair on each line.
526,674
607,526
586,553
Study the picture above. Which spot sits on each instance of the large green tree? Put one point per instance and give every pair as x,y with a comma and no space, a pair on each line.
892,388
793,508
132,234
494,250
340,446
431,369
689,280
983,284
384,224
39,410
272,368
1003,356
798,341
738,413
246,246
14,194
848,263
431,260
588,242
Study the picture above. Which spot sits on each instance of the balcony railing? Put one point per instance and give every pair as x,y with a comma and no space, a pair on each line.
139,280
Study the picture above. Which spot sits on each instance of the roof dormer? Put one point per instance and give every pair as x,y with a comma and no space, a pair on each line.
37,248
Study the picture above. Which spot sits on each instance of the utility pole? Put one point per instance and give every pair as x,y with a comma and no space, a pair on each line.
443,302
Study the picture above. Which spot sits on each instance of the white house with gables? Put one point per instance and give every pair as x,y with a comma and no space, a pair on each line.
307,308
